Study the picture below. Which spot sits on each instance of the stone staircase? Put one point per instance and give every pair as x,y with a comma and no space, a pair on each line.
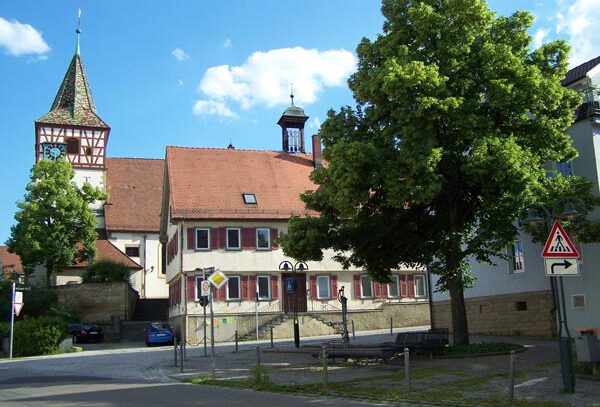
336,325
265,328
132,331
146,311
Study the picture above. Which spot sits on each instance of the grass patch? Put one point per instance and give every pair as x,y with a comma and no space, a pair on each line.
481,348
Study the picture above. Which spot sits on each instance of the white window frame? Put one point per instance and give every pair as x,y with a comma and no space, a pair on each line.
323,297
268,298
397,278
133,246
239,280
513,257
196,239
422,277
362,294
573,301
239,232
268,247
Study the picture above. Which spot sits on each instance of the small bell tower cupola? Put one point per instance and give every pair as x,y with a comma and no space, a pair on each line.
292,128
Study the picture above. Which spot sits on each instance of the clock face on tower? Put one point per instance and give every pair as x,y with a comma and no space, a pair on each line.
53,151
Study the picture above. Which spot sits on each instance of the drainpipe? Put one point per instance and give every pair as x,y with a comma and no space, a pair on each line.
185,288
430,295
143,290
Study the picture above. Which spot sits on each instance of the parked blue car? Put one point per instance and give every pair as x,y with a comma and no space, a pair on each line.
159,333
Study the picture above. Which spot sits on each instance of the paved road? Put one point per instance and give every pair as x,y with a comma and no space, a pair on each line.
126,376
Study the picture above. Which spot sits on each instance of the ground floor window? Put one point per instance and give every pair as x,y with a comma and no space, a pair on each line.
233,288
323,287
394,287
420,290
366,287
263,287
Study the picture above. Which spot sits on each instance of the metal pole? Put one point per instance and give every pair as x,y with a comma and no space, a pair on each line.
212,336
325,373
272,336
258,356
256,309
407,369
204,312
565,349
236,341
511,376
391,326
12,318
175,350
353,333
181,357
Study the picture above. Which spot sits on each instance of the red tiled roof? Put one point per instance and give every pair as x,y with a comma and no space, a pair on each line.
10,261
105,250
580,71
208,183
134,186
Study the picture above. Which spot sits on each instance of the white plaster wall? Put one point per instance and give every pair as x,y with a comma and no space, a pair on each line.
155,283
96,178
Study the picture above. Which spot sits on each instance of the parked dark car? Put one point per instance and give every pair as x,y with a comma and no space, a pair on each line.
159,333
86,333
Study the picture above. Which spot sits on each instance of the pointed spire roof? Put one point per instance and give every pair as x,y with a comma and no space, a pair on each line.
73,104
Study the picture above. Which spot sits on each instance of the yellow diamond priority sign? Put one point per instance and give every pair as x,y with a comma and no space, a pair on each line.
218,278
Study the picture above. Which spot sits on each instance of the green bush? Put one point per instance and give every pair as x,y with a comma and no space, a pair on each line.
106,271
37,336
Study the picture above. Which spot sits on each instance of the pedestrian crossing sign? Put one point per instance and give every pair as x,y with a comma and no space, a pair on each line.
559,244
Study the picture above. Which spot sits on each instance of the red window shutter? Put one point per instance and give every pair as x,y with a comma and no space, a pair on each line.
356,280
222,293
377,290
411,286
274,287
191,288
274,235
214,238
191,238
248,238
403,287
313,287
333,281
245,288
222,238
252,290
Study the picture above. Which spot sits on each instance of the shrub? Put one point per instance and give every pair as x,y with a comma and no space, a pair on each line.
106,271
37,336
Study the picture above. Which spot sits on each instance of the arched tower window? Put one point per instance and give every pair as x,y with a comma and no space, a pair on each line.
72,146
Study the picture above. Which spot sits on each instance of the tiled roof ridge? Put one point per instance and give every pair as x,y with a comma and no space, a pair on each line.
232,149
135,158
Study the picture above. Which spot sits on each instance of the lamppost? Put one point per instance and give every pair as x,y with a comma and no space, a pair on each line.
537,215
299,266
344,301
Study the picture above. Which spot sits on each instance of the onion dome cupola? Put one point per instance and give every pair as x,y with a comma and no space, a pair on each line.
292,128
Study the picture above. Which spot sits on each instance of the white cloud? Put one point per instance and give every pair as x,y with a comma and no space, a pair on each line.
314,124
264,78
20,39
227,43
578,21
180,54
539,37
213,107
179,82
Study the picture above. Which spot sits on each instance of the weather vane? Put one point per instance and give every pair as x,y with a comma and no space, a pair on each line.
78,30
292,92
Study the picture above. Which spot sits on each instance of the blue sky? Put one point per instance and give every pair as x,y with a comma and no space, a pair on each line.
201,73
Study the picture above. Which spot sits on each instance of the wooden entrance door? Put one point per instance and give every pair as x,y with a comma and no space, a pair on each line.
297,298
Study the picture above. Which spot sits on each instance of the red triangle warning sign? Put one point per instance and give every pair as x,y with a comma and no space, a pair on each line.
559,244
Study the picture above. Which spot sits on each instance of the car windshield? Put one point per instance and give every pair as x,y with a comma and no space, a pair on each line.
91,327
160,326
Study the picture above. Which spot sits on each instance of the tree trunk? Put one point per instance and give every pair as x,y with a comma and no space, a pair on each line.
460,328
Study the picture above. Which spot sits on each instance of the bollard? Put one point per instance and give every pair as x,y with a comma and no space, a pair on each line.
175,350
181,357
258,356
511,376
272,336
353,334
325,372
236,341
407,369
391,326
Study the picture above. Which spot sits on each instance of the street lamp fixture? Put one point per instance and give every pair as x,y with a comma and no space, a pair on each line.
301,267
537,215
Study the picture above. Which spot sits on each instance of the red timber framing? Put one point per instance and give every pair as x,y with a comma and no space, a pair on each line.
92,143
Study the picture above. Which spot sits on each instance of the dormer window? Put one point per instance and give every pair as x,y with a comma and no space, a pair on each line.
249,199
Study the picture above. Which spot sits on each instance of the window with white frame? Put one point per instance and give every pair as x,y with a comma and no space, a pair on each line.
393,287
263,287
516,263
233,288
420,290
202,239
323,287
233,238
366,287
263,238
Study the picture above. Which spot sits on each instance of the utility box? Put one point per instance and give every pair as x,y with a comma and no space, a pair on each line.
587,345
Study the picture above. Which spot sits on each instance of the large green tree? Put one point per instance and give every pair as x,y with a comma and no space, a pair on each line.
456,119
55,224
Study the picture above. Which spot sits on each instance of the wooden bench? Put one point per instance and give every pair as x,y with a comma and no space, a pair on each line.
432,341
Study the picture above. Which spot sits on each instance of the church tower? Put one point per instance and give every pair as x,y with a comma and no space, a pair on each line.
72,129
292,128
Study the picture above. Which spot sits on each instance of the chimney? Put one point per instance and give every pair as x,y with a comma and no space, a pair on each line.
316,150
